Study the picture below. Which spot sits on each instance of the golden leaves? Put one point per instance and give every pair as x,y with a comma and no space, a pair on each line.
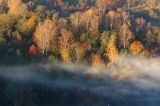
65,41
136,47
31,22
90,12
16,7
27,25
112,51
64,52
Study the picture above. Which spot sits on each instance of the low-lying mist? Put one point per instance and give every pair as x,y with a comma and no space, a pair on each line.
131,81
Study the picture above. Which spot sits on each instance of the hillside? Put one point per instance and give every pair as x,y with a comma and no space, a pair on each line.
79,52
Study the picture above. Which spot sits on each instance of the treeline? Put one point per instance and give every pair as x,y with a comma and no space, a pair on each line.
80,31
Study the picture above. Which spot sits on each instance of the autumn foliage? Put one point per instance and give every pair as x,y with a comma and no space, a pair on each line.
136,47
33,50
97,61
44,34
94,32
65,41
16,7
112,51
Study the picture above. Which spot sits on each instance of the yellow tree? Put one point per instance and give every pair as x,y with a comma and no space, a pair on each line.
76,20
6,23
16,7
65,41
112,50
44,34
27,25
91,22
31,22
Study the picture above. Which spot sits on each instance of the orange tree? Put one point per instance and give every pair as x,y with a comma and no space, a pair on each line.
136,47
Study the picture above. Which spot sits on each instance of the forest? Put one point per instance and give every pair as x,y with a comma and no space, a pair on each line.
113,43
78,31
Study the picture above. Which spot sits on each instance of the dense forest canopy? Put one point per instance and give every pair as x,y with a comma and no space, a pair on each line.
78,31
